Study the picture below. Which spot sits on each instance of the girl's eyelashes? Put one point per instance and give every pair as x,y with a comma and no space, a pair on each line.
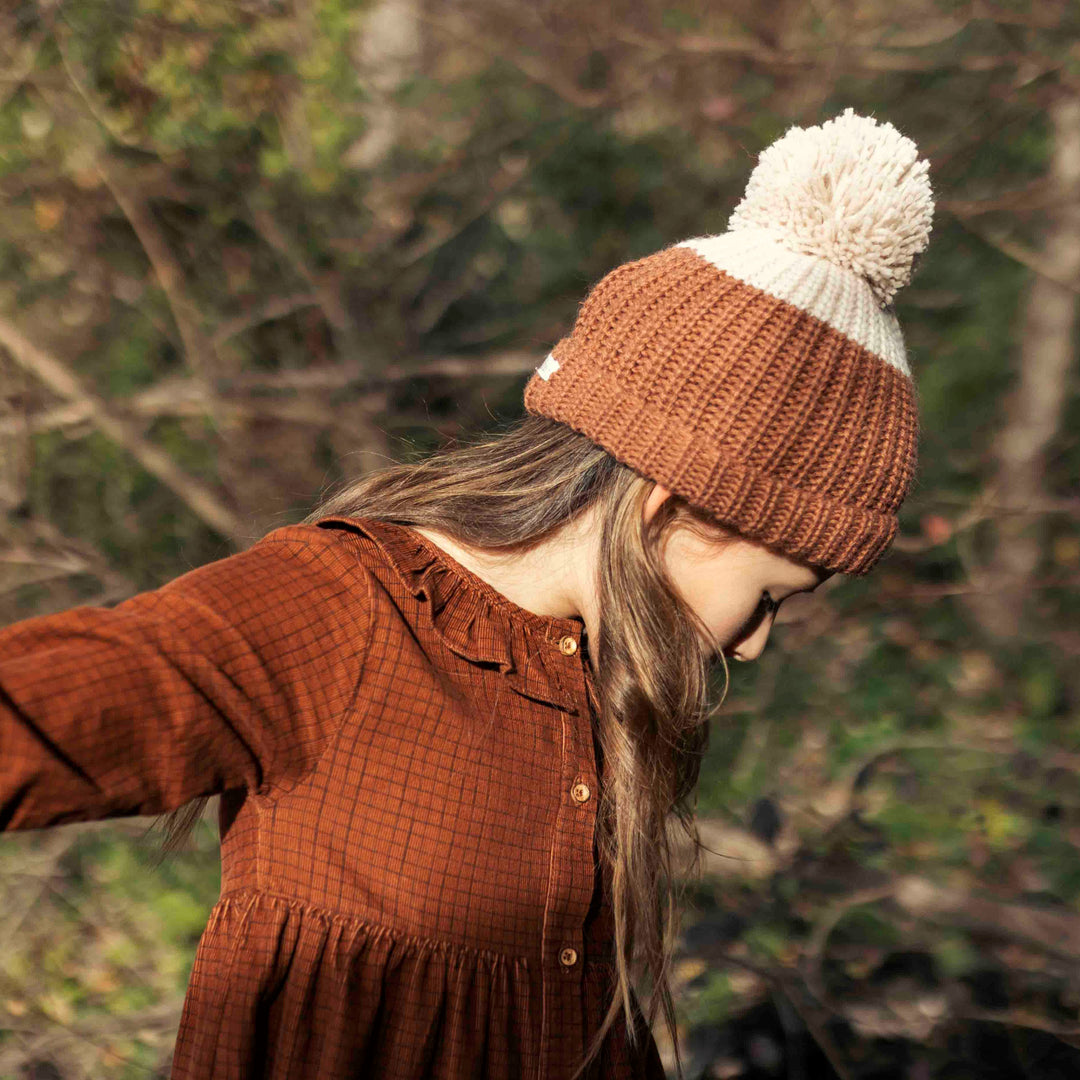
764,606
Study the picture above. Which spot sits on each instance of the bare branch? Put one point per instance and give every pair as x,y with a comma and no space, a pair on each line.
512,362
199,348
78,78
277,307
458,26
59,556
1039,194
184,397
271,230
1022,254
54,374
1055,932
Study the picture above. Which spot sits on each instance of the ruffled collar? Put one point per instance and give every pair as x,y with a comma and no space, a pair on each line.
477,622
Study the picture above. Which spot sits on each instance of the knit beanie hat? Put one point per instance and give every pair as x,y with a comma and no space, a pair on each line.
761,373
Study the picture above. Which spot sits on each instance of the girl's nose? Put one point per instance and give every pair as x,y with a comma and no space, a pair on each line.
750,647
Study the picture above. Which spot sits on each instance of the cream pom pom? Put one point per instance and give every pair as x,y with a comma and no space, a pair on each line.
851,191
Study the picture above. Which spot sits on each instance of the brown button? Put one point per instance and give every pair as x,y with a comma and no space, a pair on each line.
568,645
580,792
568,957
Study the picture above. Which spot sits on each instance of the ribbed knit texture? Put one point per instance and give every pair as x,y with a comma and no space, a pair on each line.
765,384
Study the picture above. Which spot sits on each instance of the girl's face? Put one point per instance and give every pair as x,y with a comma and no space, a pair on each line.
734,590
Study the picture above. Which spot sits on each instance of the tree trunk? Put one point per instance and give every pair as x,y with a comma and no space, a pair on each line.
388,53
1034,408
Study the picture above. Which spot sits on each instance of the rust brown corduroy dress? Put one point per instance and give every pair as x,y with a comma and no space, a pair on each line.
409,777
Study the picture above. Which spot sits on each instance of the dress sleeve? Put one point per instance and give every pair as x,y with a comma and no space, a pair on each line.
236,674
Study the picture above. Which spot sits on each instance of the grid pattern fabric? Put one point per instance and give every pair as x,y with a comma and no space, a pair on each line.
410,883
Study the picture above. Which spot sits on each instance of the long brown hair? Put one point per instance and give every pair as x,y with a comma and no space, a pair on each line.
506,492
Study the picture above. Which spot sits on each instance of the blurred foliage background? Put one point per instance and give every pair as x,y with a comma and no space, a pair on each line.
249,248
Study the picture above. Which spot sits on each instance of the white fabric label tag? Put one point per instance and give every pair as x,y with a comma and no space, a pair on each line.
548,367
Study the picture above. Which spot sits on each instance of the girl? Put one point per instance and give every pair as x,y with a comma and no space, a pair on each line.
454,715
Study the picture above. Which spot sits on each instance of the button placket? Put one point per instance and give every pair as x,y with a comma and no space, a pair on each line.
572,880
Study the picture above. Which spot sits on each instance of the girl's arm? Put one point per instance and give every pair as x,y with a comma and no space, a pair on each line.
236,674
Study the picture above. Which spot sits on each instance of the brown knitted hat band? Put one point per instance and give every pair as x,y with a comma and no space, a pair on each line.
753,406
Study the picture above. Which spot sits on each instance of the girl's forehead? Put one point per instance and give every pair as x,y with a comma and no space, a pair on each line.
792,571
750,557
808,574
